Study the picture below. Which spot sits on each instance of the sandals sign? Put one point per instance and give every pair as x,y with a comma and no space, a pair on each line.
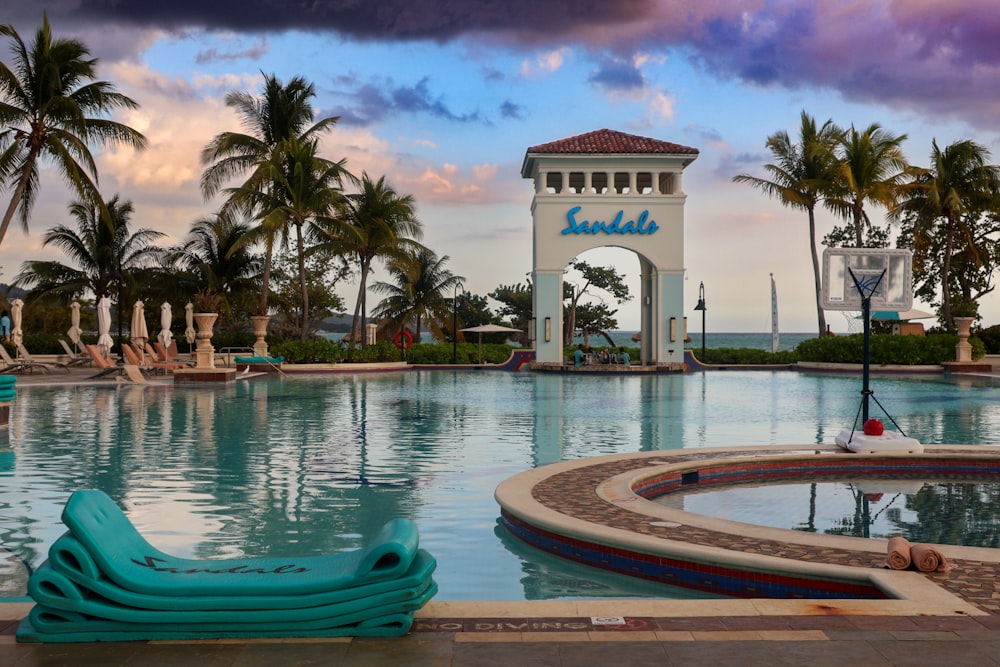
641,225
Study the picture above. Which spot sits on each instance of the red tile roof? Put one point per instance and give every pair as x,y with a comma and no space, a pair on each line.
611,141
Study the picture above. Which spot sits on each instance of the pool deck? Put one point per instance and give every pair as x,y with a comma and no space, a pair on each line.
949,618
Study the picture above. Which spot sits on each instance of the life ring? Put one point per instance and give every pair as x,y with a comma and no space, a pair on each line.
403,340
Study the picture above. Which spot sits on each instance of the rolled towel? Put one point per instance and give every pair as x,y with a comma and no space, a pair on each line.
928,559
899,553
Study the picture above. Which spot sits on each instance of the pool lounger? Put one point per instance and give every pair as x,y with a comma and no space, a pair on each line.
55,586
121,554
104,582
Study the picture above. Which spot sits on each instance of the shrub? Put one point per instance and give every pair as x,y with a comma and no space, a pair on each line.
886,349
723,356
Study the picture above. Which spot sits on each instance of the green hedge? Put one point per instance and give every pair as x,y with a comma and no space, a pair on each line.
330,352
726,356
886,349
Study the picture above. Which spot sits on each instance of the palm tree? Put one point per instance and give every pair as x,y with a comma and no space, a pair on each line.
420,293
221,264
52,108
959,184
103,256
281,112
384,226
800,176
872,169
304,192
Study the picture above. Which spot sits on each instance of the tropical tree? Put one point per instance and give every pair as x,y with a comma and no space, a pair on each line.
802,172
304,192
280,112
946,205
871,169
419,293
384,226
604,278
104,257
321,277
51,108
214,260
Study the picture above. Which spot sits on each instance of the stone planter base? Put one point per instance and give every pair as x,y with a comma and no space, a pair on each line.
190,375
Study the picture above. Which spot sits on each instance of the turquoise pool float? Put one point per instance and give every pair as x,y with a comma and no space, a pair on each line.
63,575
75,630
120,553
56,594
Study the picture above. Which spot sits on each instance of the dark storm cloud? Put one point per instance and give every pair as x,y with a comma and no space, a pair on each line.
932,56
511,111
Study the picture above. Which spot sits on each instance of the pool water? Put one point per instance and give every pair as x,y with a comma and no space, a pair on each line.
962,513
308,465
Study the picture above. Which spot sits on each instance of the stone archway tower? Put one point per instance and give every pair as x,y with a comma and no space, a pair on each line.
608,188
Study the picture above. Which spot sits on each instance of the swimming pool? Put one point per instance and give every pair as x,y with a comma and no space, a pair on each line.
312,465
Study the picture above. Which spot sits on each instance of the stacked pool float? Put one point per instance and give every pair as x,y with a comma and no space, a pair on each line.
104,582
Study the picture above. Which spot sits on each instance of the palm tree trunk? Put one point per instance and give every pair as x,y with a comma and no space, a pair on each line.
859,231
302,281
359,311
817,280
945,275
266,278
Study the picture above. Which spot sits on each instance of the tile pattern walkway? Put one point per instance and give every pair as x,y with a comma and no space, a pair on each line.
573,493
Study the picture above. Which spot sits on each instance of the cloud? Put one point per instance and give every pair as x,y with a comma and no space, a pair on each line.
618,76
936,57
374,101
253,52
511,111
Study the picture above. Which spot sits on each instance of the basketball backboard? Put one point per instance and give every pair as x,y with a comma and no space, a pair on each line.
884,275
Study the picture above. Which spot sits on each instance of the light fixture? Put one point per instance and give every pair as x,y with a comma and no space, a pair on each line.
673,329
548,329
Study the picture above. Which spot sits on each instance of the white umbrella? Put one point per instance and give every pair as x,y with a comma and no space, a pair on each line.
104,341
139,332
488,328
15,321
189,332
166,315
74,323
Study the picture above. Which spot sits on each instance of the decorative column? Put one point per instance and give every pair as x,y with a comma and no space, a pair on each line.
205,353
963,351
259,323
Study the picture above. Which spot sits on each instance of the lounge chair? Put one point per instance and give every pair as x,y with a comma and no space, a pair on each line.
19,365
134,358
167,353
24,355
106,365
74,358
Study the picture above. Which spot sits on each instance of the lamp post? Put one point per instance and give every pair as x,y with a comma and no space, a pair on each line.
702,307
454,325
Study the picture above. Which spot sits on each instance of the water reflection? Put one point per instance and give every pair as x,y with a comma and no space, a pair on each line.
316,465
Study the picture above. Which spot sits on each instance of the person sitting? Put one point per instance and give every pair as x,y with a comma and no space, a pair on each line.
578,355
623,357
5,325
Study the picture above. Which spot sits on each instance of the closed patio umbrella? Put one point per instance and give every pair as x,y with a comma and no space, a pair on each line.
104,341
166,316
74,323
16,334
189,332
139,332
488,328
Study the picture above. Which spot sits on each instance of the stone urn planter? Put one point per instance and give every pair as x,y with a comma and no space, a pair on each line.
205,353
963,351
259,323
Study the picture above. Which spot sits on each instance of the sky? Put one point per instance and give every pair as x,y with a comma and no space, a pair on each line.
443,98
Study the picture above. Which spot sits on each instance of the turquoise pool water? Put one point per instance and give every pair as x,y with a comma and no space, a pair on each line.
316,464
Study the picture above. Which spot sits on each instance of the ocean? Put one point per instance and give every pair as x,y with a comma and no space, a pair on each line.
759,341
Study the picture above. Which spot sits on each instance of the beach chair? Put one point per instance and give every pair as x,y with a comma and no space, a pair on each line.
19,365
106,365
133,357
74,358
24,355
166,353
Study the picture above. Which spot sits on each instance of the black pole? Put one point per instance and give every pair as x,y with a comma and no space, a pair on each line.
454,327
702,306
866,311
